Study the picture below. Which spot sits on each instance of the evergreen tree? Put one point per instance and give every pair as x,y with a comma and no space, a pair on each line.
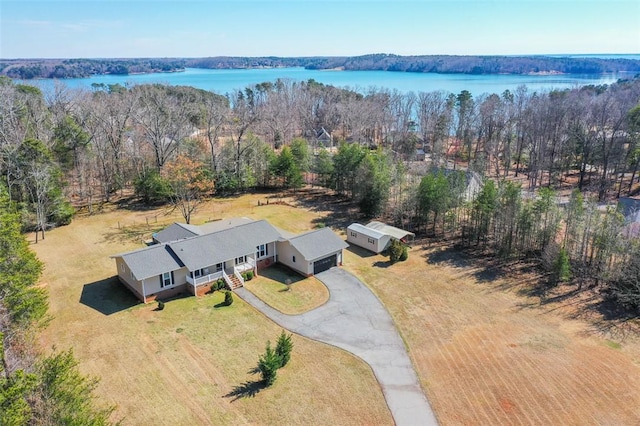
284,346
268,365
562,267
373,181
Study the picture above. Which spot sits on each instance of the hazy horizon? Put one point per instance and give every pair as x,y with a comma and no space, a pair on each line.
552,55
55,29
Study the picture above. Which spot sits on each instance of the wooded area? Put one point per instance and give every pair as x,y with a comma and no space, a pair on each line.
498,175
446,64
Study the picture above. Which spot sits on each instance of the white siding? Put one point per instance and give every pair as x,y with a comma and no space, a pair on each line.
372,243
286,253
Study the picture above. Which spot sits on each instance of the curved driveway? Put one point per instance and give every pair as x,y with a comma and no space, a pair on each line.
355,320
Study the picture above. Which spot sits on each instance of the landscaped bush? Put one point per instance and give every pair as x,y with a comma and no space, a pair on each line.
395,251
220,284
405,254
160,305
249,276
228,298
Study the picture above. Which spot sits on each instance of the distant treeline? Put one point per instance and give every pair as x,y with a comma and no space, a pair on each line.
74,68
27,69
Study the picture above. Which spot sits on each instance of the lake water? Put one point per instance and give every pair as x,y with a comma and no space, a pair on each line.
225,81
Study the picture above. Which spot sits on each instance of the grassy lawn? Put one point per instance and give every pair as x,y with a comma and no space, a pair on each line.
485,354
488,355
192,362
287,291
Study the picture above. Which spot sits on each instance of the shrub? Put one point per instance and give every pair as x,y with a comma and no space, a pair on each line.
228,298
395,251
405,254
249,276
244,276
220,284
160,305
283,348
268,365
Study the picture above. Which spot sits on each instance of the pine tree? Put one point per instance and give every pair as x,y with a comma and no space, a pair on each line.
283,348
268,365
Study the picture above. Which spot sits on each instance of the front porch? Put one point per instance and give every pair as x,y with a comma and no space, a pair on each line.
230,271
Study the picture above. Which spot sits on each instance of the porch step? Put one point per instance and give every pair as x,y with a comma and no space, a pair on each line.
235,282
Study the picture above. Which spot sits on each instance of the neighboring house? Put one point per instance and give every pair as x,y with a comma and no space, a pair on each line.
189,258
376,236
324,138
630,209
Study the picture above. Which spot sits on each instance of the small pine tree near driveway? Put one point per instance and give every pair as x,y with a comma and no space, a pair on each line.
268,365
283,348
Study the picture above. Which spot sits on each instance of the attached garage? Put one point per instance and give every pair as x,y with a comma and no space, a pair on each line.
313,252
325,264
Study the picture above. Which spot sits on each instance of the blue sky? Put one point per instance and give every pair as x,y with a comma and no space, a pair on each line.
148,28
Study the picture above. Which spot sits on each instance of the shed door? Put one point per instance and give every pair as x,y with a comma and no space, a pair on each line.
324,264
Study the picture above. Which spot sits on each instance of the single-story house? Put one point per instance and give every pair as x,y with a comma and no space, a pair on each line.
376,236
191,258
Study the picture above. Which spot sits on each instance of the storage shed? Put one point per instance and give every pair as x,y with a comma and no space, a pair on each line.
397,233
368,238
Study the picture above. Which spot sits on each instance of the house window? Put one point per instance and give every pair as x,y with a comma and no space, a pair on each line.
218,267
371,241
354,234
166,279
197,273
262,250
294,259
240,260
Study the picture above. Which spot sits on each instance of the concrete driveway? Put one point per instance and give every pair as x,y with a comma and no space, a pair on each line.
355,320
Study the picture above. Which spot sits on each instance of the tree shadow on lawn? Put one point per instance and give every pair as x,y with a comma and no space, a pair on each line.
107,296
247,389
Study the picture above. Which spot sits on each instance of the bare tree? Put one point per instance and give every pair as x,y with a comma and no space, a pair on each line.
163,120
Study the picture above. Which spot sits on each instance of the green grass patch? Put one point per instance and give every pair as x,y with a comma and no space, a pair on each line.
613,345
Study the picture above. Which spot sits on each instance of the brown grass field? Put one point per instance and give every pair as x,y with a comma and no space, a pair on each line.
485,352
287,291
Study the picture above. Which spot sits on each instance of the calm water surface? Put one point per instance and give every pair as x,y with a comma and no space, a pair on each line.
225,81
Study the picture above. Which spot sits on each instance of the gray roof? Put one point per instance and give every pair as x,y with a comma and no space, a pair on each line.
175,232
210,249
222,224
151,261
389,230
369,232
316,244
180,231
